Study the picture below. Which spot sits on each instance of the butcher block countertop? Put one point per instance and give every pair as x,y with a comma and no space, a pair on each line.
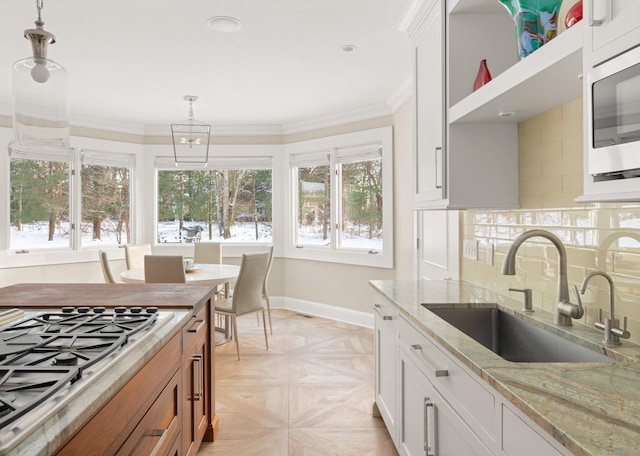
593,409
57,295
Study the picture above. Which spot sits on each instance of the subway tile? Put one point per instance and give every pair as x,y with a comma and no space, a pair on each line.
530,201
531,172
577,218
553,167
572,151
572,183
572,109
529,139
551,151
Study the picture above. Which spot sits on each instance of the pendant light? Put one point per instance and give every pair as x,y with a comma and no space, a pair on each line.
191,138
40,103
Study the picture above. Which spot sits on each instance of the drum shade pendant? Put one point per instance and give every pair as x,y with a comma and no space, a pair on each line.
191,138
40,103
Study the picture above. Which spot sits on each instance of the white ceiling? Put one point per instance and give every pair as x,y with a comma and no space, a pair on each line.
133,61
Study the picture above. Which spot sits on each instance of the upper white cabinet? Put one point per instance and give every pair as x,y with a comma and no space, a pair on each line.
613,27
429,115
475,164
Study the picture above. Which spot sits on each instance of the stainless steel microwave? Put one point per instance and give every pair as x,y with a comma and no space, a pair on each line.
614,117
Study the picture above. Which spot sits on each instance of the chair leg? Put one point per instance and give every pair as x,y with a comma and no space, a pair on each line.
264,325
266,298
235,335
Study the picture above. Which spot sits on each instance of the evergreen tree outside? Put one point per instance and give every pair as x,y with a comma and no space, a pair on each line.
214,205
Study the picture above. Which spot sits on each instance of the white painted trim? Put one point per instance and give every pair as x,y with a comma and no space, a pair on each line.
402,94
341,118
222,129
357,114
354,317
108,125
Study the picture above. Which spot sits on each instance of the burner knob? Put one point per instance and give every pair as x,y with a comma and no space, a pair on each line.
120,310
83,310
151,310
99,310
67,310
136,310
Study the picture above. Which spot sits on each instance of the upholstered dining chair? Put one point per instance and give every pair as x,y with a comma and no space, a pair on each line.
106,268
134,255
247,293
265,292
207,252
164,269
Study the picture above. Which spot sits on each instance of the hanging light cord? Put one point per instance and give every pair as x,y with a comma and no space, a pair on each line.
40,6
190,110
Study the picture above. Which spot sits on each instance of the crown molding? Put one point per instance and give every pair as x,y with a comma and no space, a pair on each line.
402,94
408,17
363,113
222,129
96,123
352,115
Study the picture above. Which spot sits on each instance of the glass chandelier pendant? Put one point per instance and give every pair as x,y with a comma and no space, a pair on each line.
40,103
191,138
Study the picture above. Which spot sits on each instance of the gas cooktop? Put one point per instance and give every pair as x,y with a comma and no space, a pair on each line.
46,354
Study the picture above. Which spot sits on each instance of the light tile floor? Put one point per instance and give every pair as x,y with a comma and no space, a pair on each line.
310,394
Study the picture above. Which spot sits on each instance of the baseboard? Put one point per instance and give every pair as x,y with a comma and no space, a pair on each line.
317,309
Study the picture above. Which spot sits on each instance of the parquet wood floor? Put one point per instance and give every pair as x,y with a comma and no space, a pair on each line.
309,395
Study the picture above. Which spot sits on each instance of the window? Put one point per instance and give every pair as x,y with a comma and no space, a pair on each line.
40,199
106,193
338,192
229,202
43,187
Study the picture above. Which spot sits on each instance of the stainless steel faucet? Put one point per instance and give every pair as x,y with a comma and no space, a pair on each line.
612,332
565,309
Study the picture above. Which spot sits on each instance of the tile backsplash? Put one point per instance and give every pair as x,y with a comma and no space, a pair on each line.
603,237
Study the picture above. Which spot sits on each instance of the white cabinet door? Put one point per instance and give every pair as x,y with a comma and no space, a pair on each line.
429,148
428,425
386,370
438,246
611,23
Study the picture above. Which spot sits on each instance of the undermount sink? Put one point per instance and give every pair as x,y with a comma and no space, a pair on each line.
515,339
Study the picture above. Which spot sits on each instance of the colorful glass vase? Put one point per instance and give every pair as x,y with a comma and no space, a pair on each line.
536,22
574,15
483,75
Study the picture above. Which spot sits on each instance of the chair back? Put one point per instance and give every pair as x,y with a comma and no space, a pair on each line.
164,269
266,274
247,292
207,252
106,269
134,255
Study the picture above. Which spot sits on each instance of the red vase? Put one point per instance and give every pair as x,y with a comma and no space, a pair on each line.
574,15
483,76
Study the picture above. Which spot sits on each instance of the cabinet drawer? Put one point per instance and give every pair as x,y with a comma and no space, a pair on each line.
385,312
194,329
108,430
157,432
475,404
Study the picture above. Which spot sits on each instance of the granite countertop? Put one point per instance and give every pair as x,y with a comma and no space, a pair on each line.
590,408
181,300
75,411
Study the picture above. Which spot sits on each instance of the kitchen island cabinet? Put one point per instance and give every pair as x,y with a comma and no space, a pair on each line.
515,409
142,418
159,397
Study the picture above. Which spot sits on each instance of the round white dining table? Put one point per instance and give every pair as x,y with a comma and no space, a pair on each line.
213,274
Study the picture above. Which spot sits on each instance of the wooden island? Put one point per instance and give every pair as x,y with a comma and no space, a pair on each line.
170,387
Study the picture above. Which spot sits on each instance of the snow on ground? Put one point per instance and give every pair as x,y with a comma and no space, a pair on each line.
35,236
